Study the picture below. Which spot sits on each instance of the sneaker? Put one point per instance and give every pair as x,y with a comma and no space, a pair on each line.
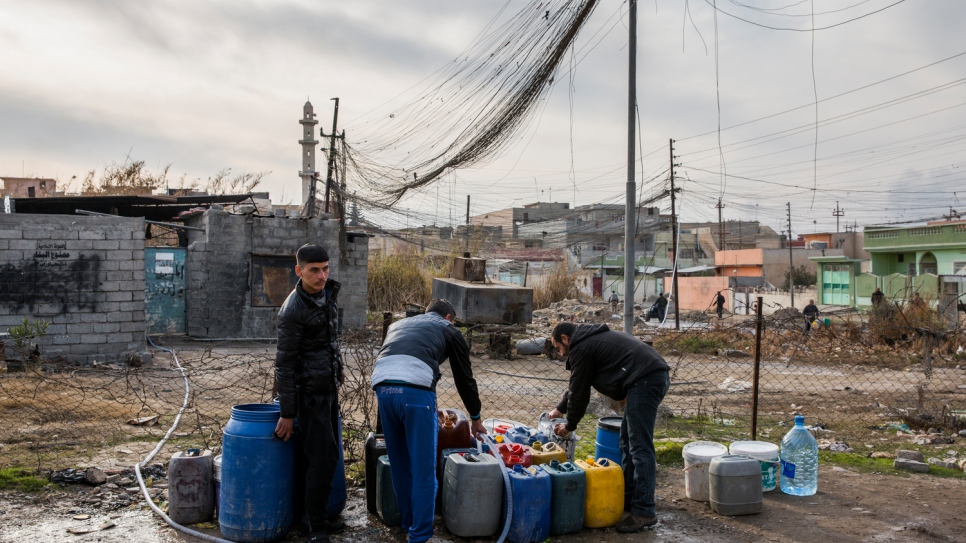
633,524
317,537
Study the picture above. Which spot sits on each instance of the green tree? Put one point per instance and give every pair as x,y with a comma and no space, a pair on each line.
802,277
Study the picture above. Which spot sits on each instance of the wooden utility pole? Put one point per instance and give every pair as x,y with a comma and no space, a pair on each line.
674,245
837,213
331,168
630,207
791,262
467,223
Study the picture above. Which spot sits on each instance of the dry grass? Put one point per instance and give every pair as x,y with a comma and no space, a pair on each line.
398,279
560,284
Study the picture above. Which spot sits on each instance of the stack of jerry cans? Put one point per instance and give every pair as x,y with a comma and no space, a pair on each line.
472,494
604,501
568,489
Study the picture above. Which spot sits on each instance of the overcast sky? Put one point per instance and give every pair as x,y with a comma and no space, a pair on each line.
208,85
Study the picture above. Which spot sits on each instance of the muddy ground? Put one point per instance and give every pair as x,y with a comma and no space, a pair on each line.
848,507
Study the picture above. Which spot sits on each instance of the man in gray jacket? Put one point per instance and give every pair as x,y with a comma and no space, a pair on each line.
619,366
404,377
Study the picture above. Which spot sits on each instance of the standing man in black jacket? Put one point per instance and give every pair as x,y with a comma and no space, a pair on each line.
404,378
308,372
619,366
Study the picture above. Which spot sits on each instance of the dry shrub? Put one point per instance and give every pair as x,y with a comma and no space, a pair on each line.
397,279
560,284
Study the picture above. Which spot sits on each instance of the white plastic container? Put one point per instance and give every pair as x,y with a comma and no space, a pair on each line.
697,457
766,454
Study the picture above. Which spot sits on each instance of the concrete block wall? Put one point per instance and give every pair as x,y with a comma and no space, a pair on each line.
218,271
83,275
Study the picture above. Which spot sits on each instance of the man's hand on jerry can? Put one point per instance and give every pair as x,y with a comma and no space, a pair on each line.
561,429
477,427
556,414
284,428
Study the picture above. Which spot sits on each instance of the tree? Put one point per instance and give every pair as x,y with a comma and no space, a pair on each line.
802,277
128,179
133,179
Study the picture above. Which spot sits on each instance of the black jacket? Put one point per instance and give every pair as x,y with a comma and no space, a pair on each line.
307,359
608,360
432,339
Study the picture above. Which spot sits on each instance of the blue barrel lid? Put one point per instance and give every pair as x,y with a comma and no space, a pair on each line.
610,423
799,420
256,412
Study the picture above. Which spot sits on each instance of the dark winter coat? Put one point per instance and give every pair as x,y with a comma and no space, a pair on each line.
307,359
608,360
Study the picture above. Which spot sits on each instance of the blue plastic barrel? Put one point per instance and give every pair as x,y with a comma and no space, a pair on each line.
609,439
257,475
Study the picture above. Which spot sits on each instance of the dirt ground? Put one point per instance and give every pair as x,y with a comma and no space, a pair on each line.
848,507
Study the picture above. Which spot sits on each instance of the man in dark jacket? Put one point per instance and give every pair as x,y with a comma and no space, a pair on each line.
308,372
810,313
619,366
404,378
719,301
661,304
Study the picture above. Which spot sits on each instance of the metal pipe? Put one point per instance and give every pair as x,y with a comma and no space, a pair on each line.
167,224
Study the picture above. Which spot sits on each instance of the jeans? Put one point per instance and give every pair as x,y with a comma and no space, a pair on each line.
410,425
637,441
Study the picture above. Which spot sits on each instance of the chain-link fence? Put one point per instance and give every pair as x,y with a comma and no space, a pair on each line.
864,381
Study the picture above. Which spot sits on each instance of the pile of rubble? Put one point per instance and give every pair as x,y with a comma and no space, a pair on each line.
114,489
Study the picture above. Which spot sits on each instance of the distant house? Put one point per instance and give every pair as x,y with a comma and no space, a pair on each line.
29,187
928,259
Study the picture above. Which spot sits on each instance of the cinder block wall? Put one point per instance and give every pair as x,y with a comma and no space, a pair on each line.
218,271
83,275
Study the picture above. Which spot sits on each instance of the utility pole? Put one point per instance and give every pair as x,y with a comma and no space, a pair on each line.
467,223
630,204
791,262
331,169
602,277
721,244
674,245
837,213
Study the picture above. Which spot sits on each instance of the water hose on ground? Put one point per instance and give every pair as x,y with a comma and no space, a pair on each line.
506,483
157,449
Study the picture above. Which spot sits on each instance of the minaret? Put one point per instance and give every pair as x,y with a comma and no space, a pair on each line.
308,142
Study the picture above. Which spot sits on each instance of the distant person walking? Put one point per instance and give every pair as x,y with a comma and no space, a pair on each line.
810,313
661,304
614,300
719,301
877,297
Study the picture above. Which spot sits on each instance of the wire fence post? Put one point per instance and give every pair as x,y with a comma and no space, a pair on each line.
754,394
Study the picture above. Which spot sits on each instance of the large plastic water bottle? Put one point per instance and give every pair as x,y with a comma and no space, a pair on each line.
799,461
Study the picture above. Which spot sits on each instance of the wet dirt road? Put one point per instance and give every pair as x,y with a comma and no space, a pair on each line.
848,507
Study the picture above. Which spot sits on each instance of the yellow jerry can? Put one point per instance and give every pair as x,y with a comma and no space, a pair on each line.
604,503
545,453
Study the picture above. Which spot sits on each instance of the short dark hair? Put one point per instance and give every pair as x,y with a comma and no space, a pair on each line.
310,253
441,307
563,329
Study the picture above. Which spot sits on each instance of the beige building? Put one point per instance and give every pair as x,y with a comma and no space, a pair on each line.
29,187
